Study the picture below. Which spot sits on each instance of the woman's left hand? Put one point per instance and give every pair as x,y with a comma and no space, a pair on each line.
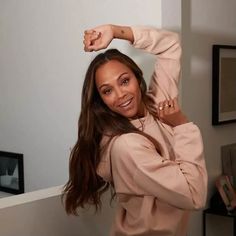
170,113
98,38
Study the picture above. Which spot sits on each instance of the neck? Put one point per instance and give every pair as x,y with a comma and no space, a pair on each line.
141,112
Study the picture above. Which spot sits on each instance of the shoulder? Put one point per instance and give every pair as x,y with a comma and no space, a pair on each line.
131,142
130,151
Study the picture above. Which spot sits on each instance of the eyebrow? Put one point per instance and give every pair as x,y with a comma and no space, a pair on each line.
117,79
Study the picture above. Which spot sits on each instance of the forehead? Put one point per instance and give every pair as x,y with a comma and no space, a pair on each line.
111,70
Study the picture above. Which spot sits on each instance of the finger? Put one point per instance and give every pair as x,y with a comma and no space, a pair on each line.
86,46
166,105
90,48
91,34
160,106
154,109
89,31
86,43
93,42
91,38
87,49
171,105
160,109
176,104
94,47
90,42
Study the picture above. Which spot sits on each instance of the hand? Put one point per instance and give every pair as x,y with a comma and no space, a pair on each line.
169,113
98,38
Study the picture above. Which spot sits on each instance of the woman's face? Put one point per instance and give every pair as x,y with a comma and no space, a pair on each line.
119,89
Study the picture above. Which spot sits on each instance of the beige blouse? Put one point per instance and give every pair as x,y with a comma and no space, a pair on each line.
155,193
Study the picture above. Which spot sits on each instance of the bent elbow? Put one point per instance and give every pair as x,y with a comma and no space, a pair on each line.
176,49
200,202
199,206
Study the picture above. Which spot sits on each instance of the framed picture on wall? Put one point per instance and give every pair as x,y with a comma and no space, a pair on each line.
228,161
223,84
11,172
227,192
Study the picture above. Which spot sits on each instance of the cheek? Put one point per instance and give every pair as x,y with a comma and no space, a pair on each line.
137,91
108,100
139,96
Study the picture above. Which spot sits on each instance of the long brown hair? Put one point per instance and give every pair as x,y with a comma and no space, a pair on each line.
84,185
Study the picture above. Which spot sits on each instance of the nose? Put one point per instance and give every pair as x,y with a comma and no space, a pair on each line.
119,93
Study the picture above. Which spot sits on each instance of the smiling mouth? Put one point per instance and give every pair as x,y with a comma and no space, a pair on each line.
125,104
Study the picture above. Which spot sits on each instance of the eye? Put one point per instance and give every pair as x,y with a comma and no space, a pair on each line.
106,91
125,81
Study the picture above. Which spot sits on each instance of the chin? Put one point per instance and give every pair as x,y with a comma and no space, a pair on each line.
130,115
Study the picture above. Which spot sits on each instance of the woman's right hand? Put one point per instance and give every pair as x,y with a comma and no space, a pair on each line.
98,38
170,113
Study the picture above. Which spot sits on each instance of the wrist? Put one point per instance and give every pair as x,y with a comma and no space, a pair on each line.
122,32
181,121
113,30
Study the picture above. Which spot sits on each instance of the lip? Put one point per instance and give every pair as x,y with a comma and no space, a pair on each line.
126,103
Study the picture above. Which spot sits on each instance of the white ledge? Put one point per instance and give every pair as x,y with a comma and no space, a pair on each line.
30,196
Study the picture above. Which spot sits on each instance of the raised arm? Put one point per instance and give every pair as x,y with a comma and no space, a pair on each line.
166,46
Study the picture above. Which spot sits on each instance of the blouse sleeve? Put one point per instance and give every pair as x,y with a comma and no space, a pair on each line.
166,46
138,169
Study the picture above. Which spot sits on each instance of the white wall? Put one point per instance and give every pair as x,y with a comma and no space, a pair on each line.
41,213
42,65
171,15
206,22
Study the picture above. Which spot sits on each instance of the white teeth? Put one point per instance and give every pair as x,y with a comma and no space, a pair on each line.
126,103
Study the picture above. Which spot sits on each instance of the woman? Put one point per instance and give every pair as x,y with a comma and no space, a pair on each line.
137,141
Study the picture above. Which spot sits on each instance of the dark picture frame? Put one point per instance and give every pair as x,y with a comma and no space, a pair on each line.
227,192
223,84
11,172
